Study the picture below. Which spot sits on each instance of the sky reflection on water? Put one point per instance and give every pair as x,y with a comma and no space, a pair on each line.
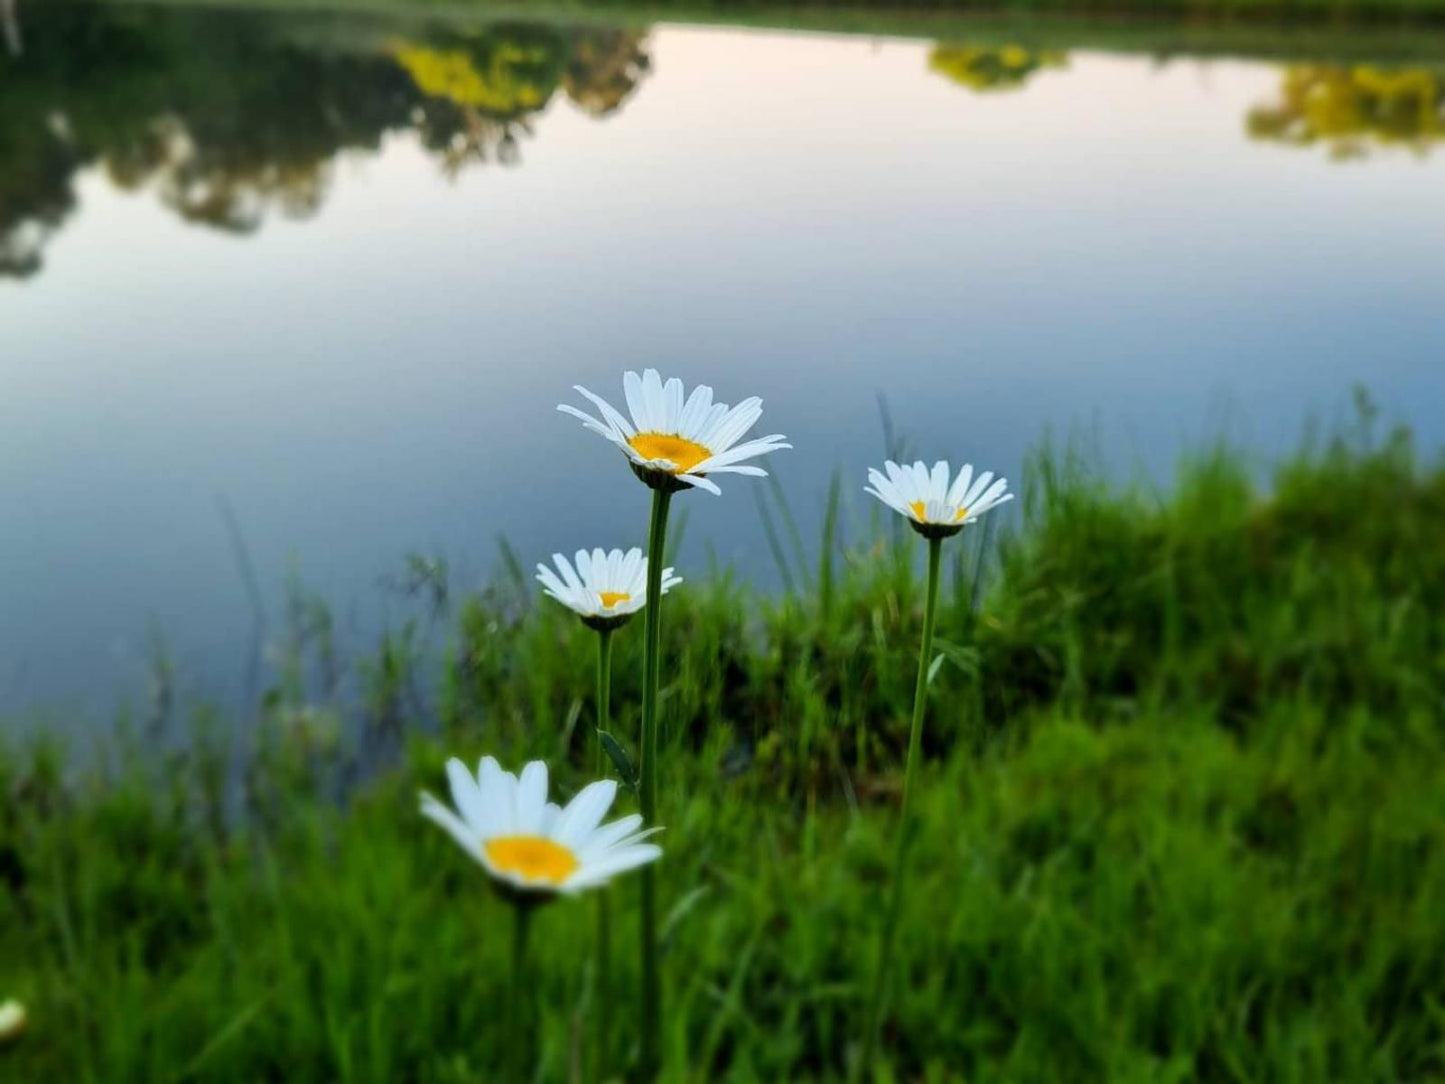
1108,245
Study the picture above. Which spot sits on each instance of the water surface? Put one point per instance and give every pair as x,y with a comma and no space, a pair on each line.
334,275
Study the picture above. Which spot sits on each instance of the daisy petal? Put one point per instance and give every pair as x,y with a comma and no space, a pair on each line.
618,861
741,468
499,807
585,812
592,423
960,485
609,834
611,413
531,797
636,401
438,813
467,796
701,483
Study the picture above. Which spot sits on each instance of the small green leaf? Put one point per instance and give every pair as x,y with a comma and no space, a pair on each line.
620,759
965,658
934,667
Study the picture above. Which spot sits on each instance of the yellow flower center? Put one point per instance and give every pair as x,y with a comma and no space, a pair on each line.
532,858
612,598
920,510
684,453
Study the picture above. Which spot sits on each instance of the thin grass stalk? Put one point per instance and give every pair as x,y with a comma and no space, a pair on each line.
522,1037
790,524
775,545
984,542
603,1000
825,551
650,770
905,830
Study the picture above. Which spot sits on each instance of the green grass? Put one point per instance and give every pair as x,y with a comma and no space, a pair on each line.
1180,819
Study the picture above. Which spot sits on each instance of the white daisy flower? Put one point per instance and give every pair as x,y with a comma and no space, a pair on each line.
672,443
933,507
531,847
606,588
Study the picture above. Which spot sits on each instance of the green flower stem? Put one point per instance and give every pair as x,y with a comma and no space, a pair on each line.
519,1003
920,688
604,919
905,831
604,692
652,650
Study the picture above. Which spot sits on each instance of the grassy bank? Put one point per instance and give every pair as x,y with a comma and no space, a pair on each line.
1180,819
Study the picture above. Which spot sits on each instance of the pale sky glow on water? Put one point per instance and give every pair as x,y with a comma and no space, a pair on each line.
811,219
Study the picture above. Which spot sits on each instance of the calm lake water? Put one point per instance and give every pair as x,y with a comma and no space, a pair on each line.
335,276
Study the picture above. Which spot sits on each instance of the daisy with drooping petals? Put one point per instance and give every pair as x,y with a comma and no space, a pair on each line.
605,588
932,505
533,848
673,442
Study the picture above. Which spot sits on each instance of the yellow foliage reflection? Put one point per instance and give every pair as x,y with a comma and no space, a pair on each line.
990,68
1353,109
480,90
504,88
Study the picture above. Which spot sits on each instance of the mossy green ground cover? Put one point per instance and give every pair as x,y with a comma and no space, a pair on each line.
1181,820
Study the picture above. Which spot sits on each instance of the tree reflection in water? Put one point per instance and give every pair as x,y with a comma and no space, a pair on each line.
992,68
234,116
1353,110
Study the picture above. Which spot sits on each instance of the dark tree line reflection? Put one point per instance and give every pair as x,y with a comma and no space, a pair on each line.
233,116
